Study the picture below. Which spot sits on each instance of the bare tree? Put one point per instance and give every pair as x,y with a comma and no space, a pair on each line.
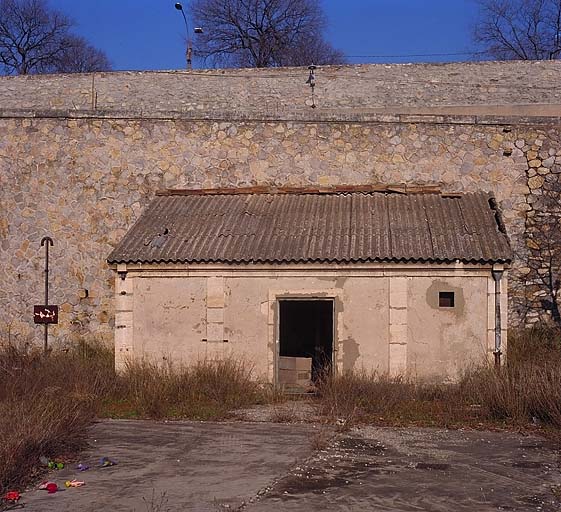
263,33
37,39
520,29
80,57
317,51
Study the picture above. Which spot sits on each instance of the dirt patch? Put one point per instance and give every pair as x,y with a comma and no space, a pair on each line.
291,411
432,466
362,446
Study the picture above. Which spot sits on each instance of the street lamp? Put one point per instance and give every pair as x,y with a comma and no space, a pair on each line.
197,30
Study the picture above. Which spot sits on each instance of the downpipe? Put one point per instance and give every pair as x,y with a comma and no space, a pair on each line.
497,277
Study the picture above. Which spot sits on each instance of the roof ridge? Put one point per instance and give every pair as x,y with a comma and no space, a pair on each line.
336,189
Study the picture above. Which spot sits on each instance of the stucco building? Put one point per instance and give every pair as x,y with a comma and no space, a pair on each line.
299,280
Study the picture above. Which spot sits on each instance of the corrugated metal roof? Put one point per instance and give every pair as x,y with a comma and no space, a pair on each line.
339,226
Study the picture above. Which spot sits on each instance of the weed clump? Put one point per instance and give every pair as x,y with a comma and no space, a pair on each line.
47,404
526,390
528,387
206,390
49,401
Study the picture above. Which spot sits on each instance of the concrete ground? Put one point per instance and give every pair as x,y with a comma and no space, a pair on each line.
181,466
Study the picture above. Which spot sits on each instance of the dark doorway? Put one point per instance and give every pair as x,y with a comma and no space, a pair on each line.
306,330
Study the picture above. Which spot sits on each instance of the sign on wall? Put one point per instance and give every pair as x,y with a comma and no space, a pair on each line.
45,314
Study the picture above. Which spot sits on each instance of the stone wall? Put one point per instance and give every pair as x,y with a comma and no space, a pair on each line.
83,176
540,277
339,91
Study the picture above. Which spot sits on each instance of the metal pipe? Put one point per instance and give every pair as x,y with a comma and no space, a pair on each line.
46,241
497,276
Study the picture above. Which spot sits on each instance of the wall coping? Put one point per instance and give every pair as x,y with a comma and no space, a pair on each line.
280,71
305,117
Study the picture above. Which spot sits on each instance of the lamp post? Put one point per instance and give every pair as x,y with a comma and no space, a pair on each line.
198,30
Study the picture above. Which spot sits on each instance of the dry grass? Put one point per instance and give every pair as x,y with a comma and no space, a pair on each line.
283,413
48,402
158,502
370,397
321,440
528,388
525,391
203,391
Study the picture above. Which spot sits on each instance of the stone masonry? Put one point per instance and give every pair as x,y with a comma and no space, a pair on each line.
80,156
272,93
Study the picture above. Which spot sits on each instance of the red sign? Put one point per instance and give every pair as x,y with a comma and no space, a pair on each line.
45,314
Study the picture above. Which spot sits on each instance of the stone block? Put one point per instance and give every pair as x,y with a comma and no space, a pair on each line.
124,302
398,316
215,332
549,162
215,292
398,359
398,333
398,292
535,182
215,315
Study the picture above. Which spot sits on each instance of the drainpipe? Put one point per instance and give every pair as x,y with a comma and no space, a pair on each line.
497,276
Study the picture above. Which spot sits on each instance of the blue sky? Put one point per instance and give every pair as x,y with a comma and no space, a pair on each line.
149,34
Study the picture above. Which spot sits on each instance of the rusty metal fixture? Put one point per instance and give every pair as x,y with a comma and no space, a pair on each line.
46,241
312,83
497,276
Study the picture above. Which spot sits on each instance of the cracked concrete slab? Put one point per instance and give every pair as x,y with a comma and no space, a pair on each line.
176,466
406,470
257,467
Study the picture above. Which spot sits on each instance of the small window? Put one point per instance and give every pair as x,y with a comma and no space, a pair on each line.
446,299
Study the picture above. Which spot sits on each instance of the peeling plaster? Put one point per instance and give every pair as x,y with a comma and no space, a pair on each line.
351,354
442,286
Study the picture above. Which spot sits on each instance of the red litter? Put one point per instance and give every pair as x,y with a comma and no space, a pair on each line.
12,496
50,487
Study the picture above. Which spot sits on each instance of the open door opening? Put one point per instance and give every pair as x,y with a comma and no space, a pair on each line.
306,342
